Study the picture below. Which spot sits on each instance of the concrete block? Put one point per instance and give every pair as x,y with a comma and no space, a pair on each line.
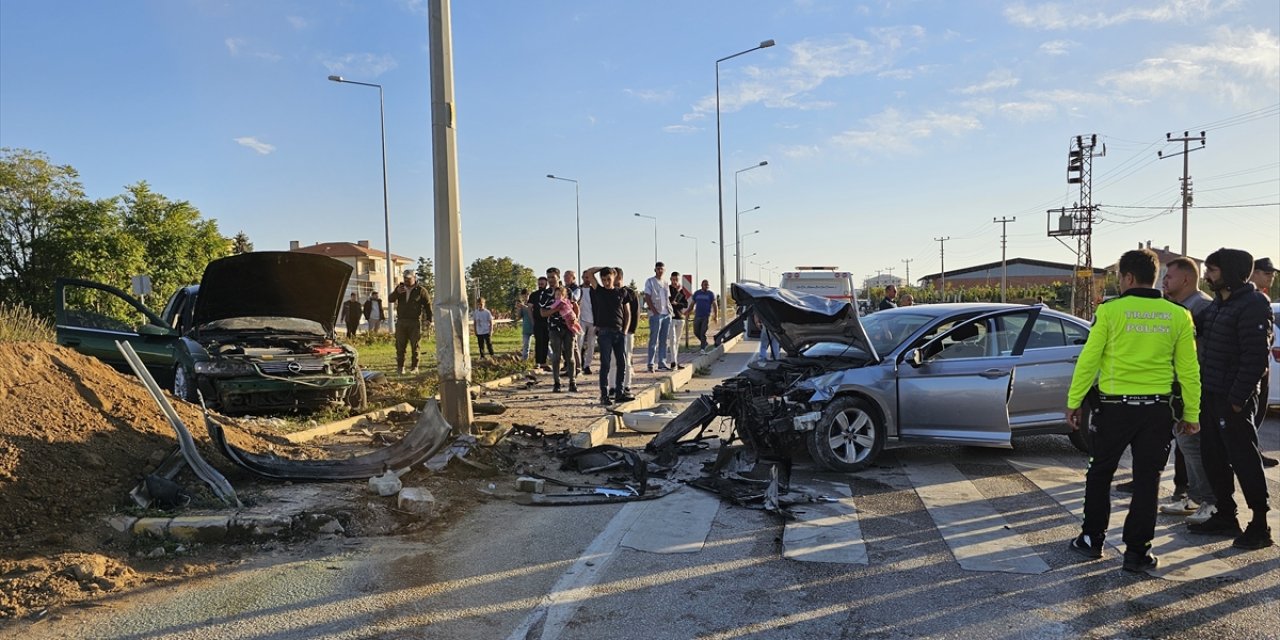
530,485
199,528
151,527
121,524
417,500
259,525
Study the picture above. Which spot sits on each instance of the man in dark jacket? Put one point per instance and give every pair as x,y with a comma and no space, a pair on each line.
1235,333
413,310
352,311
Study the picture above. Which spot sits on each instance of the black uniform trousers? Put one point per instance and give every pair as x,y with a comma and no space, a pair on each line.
541,340
1229,446
408,333
1148,431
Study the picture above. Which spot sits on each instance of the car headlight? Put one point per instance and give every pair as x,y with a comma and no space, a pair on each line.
225,368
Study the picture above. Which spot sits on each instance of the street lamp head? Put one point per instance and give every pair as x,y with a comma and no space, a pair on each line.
639,216
336,78
766,44
763,163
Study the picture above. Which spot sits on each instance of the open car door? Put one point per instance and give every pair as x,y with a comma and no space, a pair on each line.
955,388
90,317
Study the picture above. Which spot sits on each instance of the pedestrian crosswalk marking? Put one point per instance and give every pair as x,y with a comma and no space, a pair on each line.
826,531
1183,555
979,537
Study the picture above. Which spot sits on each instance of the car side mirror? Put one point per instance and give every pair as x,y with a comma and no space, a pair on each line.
914,358
155,330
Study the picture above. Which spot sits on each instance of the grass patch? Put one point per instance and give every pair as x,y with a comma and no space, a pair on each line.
18,324
701,372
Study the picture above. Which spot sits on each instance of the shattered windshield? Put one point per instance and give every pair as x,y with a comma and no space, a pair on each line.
888,330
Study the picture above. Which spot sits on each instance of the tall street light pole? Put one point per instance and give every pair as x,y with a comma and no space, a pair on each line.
737,249
737,226
724,288
386,211
697,280
577,216
655,235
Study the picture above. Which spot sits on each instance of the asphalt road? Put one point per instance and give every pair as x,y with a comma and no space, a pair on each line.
941,527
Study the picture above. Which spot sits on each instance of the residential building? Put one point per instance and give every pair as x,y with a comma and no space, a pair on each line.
369,264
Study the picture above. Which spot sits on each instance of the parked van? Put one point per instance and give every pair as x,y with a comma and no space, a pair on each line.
821,281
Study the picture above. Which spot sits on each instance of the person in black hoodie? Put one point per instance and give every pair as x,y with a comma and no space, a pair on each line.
1235,336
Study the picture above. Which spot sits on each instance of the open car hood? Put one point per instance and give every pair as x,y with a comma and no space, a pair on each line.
799,320
284,284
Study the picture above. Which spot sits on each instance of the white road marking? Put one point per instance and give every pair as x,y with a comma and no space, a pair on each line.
557,608
678,523
979,537
826,531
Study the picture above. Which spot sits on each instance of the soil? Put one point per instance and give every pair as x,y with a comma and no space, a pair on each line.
76,435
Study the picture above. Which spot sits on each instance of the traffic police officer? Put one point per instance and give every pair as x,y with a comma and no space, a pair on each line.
1138,342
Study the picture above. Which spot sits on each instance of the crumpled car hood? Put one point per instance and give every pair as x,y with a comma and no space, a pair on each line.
283,284
799,320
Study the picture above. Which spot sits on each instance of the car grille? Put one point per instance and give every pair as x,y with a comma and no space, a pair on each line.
291,367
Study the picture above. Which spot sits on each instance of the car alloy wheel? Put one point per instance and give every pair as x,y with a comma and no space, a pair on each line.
849,436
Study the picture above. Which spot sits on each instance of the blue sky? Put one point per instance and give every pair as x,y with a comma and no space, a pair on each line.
885,124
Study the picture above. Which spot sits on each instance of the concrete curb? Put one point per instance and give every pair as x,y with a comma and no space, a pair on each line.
599,431
219,528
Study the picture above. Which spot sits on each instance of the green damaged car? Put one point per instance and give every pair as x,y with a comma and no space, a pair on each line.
255,336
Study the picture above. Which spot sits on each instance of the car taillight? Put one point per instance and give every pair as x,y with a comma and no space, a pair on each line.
1275,353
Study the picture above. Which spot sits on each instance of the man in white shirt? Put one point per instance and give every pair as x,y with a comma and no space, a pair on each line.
657,299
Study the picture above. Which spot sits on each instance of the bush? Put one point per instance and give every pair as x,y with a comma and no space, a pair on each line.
18,324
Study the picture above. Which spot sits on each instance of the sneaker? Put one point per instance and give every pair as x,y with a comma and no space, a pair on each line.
650,368
1125,487
586,371
1268,461
604,400
664,368
1217,525
1256,536
1203,512
555,389
1140,563
413,371
624,397
400,371
573,387
1089,546
1183,507
702,351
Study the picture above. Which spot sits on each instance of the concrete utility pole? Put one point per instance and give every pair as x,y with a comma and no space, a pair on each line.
1004,231
907,261
452,349
942,259
1186,140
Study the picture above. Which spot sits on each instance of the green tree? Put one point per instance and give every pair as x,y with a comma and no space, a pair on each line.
33,192
427,275
240,243
499,280
178,243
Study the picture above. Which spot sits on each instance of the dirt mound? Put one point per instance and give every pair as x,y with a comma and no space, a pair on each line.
31,584
75,436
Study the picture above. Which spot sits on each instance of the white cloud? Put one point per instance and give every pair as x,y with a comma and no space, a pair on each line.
996,80
651,95
1094,14
811,63
241,47
1026,111
1058,47
890,131
907,73
253,143
799,151
1240,64
359,65
297,22
680,128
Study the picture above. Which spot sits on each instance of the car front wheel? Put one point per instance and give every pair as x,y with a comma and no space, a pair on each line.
358,394
849,437
184,386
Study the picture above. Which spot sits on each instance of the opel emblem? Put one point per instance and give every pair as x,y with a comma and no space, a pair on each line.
294,367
